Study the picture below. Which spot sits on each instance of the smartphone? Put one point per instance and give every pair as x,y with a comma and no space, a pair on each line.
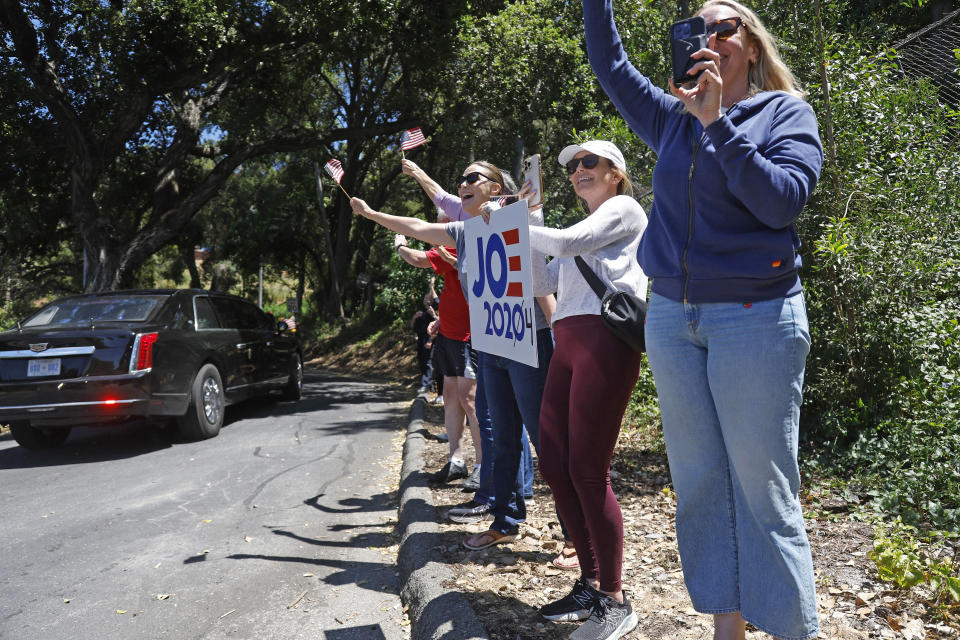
531,174
686,37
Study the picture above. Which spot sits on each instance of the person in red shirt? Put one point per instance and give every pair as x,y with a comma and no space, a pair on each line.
453,356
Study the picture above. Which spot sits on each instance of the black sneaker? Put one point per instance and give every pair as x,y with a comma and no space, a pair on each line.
573,606
469,512
608,619
473,482
449,473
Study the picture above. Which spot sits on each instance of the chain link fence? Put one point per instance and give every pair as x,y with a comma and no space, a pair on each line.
932,53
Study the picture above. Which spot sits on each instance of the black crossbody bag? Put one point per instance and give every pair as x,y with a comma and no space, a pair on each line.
622,312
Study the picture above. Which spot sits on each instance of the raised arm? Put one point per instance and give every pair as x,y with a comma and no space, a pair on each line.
430,187
429,232
639,101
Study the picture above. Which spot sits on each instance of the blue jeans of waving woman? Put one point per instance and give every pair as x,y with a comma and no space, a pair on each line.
514,392
729,378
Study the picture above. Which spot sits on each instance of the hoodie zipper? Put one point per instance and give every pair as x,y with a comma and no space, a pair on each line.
696,144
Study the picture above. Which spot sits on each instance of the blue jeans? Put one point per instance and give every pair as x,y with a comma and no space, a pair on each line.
729,379
485,494
514,392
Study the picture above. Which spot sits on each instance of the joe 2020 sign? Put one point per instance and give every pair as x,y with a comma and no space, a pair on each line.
500,285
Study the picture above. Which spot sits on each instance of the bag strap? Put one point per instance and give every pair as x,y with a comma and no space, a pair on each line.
595,283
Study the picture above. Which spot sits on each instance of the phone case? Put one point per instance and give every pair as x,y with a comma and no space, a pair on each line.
686,37
531,173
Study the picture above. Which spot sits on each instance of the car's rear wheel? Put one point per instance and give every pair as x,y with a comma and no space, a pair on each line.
294,385
38,437
204,416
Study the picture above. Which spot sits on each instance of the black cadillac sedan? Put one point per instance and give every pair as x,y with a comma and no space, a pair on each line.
161,355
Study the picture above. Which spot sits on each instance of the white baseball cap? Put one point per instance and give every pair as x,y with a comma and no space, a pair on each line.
602,148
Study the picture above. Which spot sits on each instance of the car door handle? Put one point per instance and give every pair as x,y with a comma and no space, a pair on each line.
242,345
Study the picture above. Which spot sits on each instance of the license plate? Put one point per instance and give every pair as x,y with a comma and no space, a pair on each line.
44,367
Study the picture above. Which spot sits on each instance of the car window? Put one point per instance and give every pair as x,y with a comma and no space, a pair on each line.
251,316
71,312
206,316
227,313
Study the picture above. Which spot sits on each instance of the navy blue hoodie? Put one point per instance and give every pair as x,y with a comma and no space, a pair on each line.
725,197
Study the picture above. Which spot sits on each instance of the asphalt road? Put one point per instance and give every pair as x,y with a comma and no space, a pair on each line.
280,527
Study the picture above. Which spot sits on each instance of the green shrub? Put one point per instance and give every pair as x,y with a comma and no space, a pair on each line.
403,292
883,284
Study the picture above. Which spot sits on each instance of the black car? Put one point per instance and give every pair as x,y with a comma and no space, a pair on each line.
104,358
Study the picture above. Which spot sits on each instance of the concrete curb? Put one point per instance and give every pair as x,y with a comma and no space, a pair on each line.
436,612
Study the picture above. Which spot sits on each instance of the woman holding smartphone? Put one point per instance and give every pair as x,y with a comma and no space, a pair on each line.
726,330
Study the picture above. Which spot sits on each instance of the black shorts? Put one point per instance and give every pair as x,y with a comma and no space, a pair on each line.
454,358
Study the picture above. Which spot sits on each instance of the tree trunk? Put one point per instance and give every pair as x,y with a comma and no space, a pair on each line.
336,298
341,259
188,255
830,141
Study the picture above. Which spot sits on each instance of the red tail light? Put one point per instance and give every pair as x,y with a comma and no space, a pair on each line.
142,358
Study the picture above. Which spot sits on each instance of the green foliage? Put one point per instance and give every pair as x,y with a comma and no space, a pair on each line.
909,559
402,293
882,285
642,418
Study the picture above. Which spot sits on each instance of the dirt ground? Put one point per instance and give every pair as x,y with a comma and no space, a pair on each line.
507,584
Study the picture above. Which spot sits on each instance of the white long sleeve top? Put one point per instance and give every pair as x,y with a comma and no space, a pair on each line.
607,240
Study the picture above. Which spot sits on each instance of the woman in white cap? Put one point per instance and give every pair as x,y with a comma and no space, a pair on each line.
589,382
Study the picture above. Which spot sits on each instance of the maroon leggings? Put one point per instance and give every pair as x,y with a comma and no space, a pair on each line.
591,376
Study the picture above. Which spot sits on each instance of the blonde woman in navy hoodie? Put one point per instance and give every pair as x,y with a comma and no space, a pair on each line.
726,330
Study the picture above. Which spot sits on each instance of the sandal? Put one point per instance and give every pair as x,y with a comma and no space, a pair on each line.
487,539
567,560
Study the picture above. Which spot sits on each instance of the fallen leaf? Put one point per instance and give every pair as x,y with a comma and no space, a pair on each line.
913,630
121,611
164,596
66,600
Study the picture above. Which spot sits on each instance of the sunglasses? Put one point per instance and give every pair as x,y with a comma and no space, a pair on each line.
725,28
589,161
473,178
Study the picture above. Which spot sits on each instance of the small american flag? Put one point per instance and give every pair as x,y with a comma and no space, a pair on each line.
412,138
335,169
291,323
